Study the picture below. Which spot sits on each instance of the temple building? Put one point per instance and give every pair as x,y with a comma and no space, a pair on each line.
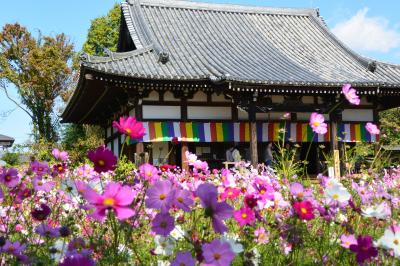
215,75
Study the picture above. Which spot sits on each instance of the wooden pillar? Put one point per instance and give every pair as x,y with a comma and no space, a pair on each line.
335,147
139,147
184,149
253,132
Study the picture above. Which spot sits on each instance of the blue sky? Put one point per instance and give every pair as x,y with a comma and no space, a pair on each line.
370,27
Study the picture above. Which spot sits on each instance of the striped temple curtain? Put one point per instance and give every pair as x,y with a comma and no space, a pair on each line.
240,132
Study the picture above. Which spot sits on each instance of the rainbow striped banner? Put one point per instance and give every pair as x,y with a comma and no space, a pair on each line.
240,132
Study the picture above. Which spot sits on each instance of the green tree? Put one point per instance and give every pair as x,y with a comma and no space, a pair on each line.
40,70
390,124
103,33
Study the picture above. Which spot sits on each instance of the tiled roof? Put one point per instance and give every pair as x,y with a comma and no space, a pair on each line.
195,41
6,138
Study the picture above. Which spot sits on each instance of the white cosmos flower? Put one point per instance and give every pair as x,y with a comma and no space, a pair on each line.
163,263
391,241
332,182
235,246
378,211
164,245
178,232
337,192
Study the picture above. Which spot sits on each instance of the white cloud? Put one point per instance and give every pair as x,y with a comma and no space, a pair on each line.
367,34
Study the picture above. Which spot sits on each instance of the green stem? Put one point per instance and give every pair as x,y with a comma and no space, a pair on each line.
123,146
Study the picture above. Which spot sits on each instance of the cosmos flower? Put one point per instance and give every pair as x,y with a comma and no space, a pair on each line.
347,240
41,212
350,94
262,236
103,159
379,211
130,127
317,123
372,128
85,171
217,211
47,231
244,216
162,224
149,172
13,248
9,177
364,249
77,260
190,158
39,184
338,193
304,210
183,199
115,197
230,193
297,190
160,196
218,253
59,168
164,245
183,259
60,155
390,240
39,168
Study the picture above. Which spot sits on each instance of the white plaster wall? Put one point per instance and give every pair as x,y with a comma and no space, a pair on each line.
362,115
161,112
169,96
159,152
199,97
208,112
116,147
219,98
153,96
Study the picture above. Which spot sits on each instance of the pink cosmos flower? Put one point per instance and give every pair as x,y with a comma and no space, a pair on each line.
244,216
317,123
183,199
350,94
149,172
40,184
230,193
130,127
347,240
115,197
162,224
262,235
9,177
372,128
160,196
103,159
15,248
183,258
60,155
85,171
40,168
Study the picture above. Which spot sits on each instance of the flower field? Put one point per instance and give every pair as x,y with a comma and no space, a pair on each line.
98,213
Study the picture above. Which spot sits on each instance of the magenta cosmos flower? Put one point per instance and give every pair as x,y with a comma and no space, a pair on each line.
217,211
103,159
183,259
162,224
130,127
317,123
304,210
160,196
350,94
218,253
244,216
183,199
40,168
9,177
364,249
372,128
115,197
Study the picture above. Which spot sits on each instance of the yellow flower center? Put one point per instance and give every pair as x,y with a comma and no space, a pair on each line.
163,224
396,242
60,168
101,162
7,178
300,194
303,210
335,196
180,199
128,131
244,215
162,196
315,123
347,243
149,173
230,193
217,256
40,169
40,183
262,191
109,202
